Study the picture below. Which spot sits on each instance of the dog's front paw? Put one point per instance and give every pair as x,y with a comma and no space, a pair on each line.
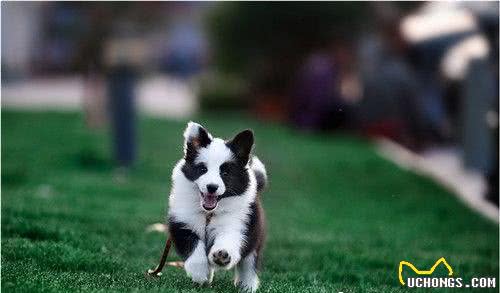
221,257
224,257
198,270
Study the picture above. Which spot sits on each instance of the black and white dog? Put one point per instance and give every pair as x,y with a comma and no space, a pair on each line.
215,215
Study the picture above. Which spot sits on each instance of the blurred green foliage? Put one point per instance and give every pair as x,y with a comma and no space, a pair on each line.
265,41
243,33
220,91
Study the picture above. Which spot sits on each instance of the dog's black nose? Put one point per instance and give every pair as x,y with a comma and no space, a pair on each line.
212,188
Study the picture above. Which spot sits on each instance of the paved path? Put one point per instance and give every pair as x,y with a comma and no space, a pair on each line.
445,167
160,95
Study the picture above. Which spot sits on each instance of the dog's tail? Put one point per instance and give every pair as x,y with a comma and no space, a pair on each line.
260,173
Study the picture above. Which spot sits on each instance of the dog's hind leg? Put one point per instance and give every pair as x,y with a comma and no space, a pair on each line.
246,273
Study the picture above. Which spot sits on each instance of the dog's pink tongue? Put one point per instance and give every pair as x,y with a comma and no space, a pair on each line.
209,201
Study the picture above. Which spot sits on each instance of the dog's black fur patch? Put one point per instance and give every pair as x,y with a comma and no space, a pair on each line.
235,177
203,137
191,152
184,239
193,171
254,232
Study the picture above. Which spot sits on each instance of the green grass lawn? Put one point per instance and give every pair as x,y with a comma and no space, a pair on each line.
340,218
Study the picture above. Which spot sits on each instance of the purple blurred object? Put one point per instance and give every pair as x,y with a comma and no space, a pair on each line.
316,93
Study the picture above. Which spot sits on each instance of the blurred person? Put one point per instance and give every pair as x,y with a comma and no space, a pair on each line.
125,52
62,27
184,55
186,50
389,104
326,88
90,62
434,32
487,15
426,52
493,193
458,53
315,92
463,52
20,26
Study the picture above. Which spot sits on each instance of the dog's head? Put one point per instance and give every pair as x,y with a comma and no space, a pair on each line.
218,168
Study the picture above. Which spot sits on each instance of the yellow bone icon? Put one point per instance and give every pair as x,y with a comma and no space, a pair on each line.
429,272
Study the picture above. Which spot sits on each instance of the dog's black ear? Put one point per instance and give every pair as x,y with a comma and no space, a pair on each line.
241,145
195,137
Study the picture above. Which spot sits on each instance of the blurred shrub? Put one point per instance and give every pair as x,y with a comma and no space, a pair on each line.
222,91
256,39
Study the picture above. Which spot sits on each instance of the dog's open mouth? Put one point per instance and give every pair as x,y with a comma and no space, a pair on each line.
208,201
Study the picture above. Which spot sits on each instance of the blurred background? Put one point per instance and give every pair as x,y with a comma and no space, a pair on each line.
372,119
424,75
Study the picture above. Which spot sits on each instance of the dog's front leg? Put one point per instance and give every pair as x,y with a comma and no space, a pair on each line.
225,253
196,265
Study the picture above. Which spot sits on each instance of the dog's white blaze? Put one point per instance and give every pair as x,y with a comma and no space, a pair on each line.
214,155
230,223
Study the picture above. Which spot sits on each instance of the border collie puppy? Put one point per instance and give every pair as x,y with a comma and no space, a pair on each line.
215,215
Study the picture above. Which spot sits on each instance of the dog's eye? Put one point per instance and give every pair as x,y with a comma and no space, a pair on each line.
203,169
225,173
